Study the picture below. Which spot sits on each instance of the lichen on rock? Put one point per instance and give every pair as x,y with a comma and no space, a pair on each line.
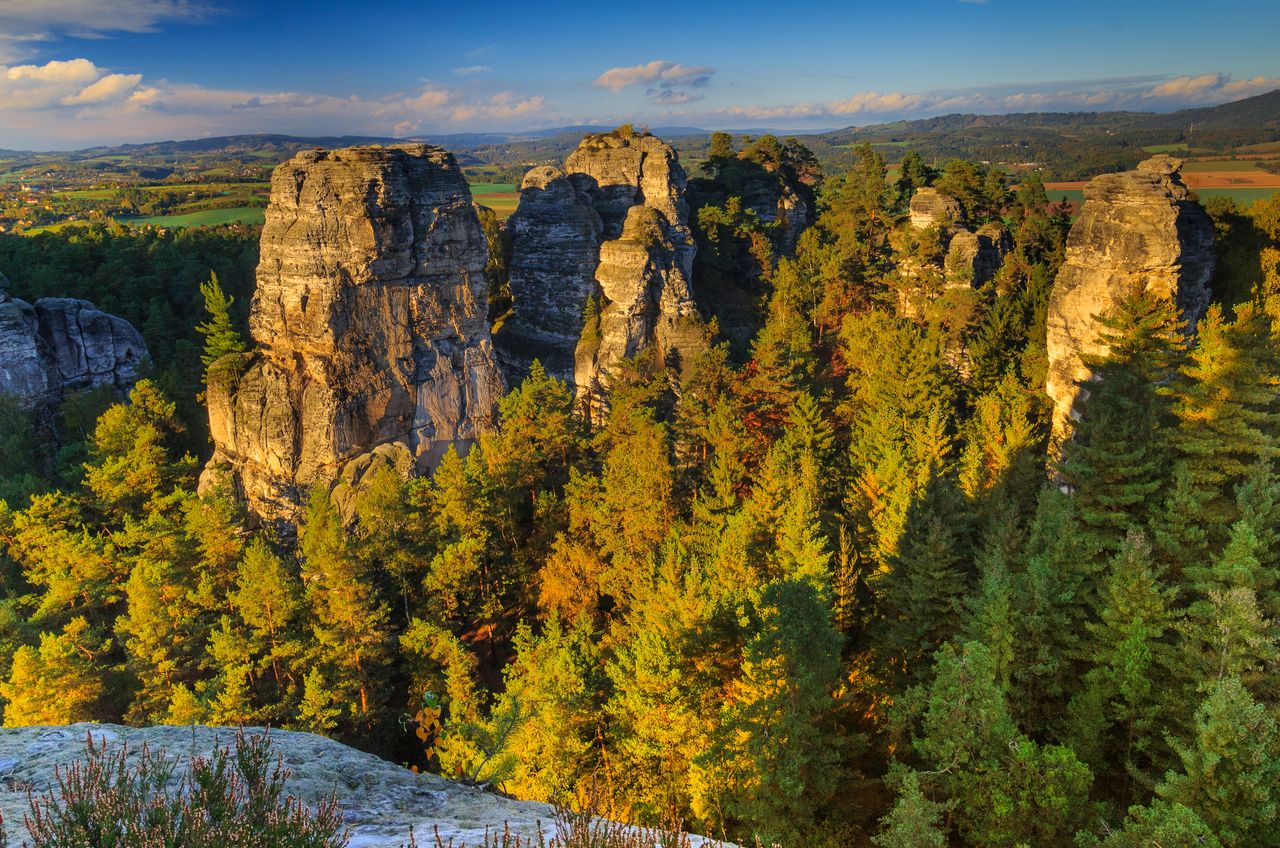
381,802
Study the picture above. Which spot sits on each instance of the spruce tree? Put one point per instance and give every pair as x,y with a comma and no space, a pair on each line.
1230,768
221,339
914,821
775,756
1121,714
1228,405
1118,463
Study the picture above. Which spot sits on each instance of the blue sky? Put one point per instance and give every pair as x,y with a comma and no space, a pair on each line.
80,72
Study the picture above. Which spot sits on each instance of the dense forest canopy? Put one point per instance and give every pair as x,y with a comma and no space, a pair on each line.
835,586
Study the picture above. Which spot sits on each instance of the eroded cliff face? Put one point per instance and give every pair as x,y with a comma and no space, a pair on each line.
59,345
370,317
555,248
1137,227
613,226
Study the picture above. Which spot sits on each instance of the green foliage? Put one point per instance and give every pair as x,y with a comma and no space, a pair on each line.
914,820
1118,462
774,764
221,339
1229,767
819,567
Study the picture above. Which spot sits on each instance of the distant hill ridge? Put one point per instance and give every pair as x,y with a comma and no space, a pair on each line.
1259,112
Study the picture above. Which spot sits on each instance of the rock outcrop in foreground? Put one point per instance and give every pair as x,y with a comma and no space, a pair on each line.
381,802
371,317
1137,227
59,345
610,229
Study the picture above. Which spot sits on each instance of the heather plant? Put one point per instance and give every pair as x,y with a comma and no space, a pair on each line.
233,798
581,829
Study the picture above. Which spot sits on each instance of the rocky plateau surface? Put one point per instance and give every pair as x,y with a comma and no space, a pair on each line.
1139,227
371,324
381,802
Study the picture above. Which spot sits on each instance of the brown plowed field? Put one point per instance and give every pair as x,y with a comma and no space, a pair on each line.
1206,179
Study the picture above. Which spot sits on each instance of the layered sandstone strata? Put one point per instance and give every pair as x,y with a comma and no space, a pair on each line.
370,317
602,258
931,208
1136,228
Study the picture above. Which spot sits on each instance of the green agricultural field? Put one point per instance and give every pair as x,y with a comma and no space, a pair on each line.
88,194
478,189
1210,166
54,228
207,218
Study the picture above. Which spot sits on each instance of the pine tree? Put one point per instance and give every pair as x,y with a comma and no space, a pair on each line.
558,678
1158,824
1006,789
133,459
1230,768
60,682
349,619
268,600
221,339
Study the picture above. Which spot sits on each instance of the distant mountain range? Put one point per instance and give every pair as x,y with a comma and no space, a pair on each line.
1066,145
1261,112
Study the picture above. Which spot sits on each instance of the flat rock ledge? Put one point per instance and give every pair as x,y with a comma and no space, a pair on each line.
381,801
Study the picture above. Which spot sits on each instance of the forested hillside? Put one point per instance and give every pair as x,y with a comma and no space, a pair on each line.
828,584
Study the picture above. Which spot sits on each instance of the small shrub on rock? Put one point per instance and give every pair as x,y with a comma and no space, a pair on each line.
232,799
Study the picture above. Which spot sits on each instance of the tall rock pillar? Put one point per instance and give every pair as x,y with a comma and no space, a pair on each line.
1137,227
371,322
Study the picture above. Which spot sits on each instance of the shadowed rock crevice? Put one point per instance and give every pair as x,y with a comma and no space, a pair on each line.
601,263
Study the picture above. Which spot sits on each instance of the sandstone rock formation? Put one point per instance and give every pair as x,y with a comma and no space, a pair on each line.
382,802
59,345
974,258
371,319
555,249
1138,227
612,226
930,207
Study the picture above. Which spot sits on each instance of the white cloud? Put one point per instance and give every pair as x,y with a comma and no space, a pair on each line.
69,82
110,87
472,70
1098,95
1208,89
67,103
659,72
26,22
